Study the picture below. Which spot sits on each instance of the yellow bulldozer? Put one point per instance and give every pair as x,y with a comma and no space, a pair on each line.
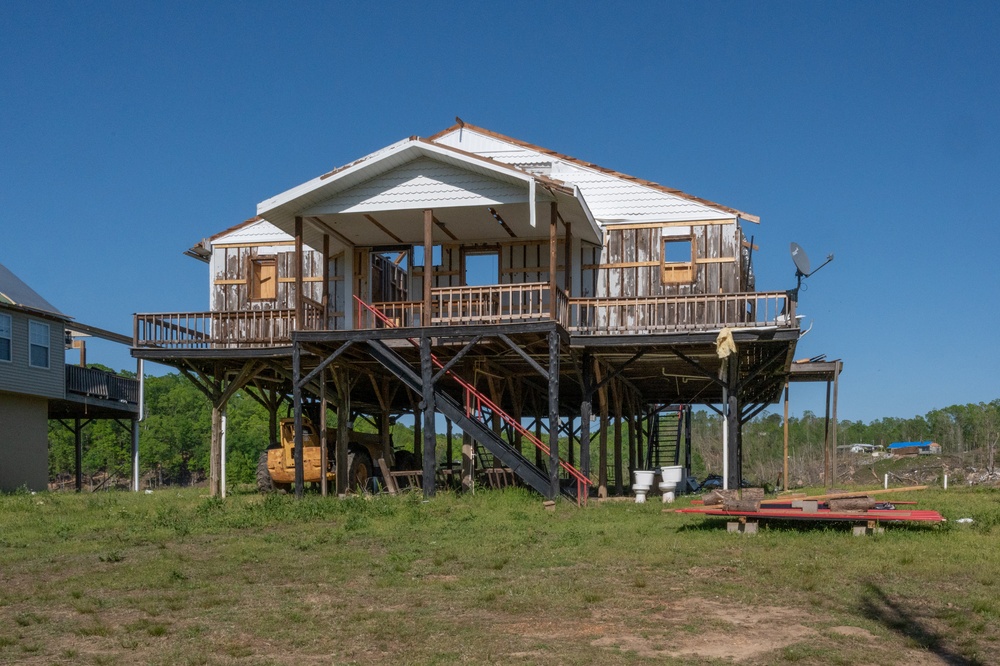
276,467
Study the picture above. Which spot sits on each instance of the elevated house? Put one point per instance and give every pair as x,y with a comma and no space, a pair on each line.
36,384
516,290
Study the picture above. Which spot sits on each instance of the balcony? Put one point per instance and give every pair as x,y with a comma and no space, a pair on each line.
480,305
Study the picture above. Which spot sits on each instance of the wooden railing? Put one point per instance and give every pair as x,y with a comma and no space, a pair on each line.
101,384
216,330
665,314
489,304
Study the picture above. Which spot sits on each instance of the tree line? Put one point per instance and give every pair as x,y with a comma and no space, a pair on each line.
174,438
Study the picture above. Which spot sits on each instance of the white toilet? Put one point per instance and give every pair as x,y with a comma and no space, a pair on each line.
671,477
643,482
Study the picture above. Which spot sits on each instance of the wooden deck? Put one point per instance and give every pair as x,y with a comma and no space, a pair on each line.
501,304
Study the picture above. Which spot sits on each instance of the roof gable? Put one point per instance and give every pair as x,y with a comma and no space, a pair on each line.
611,195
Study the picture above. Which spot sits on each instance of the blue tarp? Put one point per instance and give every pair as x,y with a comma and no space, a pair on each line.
903,445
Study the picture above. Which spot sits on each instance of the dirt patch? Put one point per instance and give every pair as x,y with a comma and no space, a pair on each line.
857,632
716,631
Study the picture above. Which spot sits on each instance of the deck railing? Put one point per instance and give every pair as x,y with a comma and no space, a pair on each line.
488,304
218,330
491,304
101,384
666,314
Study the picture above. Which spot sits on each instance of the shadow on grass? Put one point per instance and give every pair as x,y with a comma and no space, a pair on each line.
876,605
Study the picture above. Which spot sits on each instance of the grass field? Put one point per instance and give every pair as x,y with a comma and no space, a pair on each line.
179,578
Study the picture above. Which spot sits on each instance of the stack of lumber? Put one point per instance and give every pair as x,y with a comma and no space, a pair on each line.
845,506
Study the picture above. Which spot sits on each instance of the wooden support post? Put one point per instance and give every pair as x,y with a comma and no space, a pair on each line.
538,436
733,421
585,409
784,471
78,440
571,432
297,413
341,453
418,432
553,406
449,449
833,425
553,256
468,463
617,403
428,270
630,432
687,438
215,452
300,312
324,463
430,435
827,478
602,450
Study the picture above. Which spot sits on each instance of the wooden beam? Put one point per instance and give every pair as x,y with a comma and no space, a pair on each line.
333,232
382,228
441,225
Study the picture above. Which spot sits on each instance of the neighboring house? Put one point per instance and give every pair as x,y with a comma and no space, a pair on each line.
550,287
36,384
911,448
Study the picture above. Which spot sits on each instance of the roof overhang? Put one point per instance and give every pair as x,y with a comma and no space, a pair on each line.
380,199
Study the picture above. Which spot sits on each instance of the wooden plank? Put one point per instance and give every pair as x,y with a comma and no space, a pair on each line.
859,493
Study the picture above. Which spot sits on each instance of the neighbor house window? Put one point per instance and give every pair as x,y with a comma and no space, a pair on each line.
38,344
6,336
263,278
677,260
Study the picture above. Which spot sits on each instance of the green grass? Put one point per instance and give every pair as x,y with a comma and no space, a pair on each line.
179,578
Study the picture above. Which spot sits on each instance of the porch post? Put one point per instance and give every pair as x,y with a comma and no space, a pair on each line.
341,454
553,409
323,451
784,473
326,282
78,440
833,429
553,217
428,266
299,303
568,251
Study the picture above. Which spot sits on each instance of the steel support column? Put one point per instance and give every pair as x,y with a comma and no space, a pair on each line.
553,409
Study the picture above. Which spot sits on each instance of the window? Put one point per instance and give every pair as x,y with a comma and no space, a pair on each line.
263,278
6,336
38,344
677,260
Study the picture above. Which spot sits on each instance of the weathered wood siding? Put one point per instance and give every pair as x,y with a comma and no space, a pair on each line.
17,376
631,261
231,267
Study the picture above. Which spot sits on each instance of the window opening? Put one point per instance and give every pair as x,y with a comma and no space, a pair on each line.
677,259
263,278
482,267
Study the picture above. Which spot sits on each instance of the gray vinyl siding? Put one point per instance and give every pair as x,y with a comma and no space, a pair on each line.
17,376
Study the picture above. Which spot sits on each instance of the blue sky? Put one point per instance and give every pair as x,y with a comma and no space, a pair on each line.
871,130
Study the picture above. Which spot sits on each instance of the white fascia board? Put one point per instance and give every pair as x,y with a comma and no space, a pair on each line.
687,217
594,224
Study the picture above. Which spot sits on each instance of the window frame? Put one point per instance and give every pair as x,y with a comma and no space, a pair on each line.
9,337
677,272
32,344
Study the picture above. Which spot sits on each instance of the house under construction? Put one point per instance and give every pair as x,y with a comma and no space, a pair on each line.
519,292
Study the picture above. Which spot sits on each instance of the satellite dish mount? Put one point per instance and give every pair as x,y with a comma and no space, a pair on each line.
803,268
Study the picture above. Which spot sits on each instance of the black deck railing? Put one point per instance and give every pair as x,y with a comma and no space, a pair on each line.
101,384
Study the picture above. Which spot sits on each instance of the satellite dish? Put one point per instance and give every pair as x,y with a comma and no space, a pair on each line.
800,258
803,268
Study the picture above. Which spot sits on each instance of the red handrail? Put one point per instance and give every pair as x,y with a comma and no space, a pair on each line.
480,400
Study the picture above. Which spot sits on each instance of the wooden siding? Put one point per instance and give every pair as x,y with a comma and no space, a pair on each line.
231,268
631,262
19,377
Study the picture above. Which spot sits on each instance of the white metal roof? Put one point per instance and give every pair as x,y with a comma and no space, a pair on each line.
613,197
